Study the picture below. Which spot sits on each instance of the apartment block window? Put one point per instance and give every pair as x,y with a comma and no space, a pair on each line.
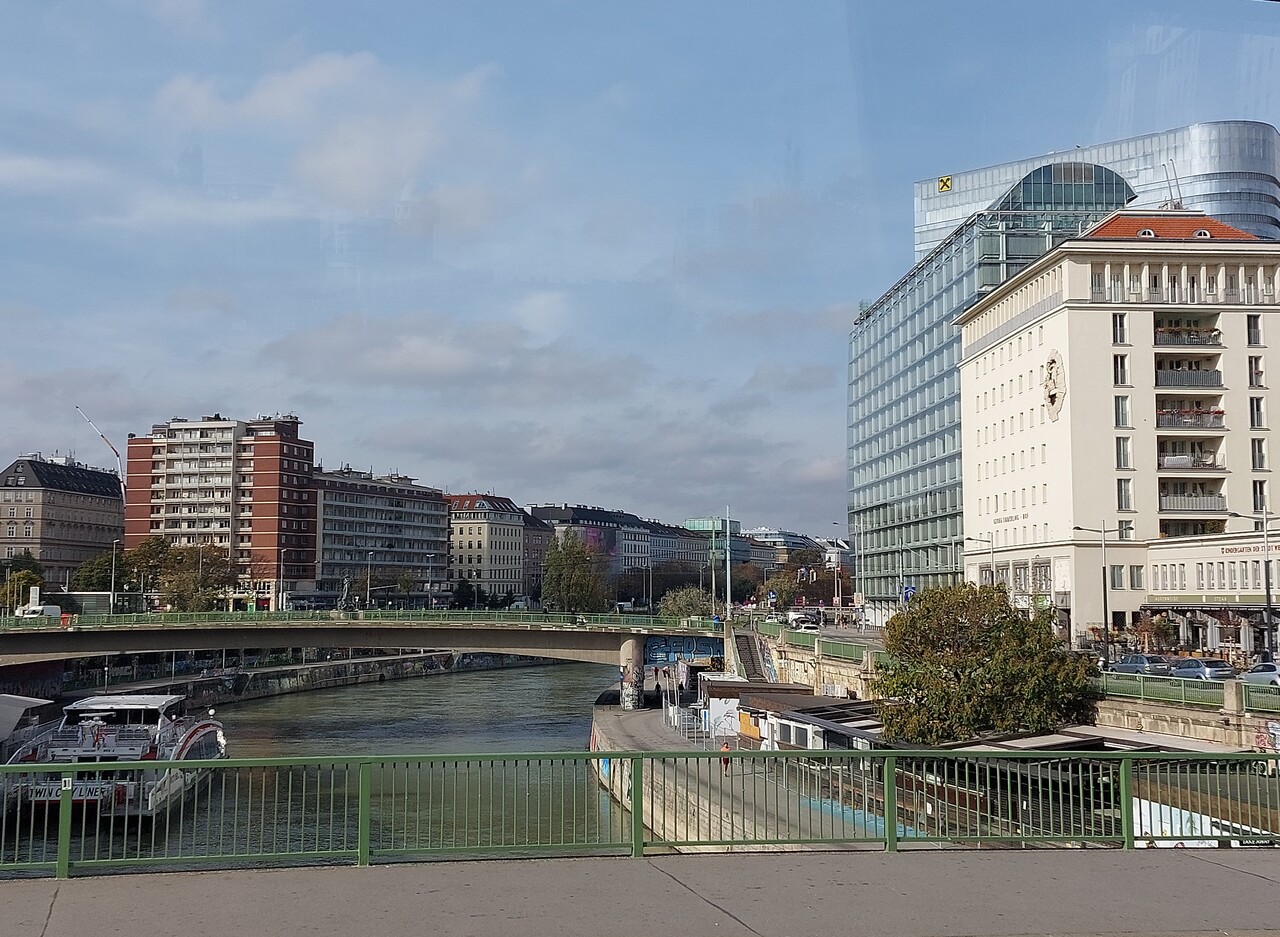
1124,494
1254,328
1135,577
1124,530
1117,577
1122,453
1257,418
1211,286
1258,449
1122,411
1255,371
1199,575
1119,328
1120,369
1259,496
1095,282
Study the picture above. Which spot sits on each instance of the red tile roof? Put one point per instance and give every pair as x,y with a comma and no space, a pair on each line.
1168,228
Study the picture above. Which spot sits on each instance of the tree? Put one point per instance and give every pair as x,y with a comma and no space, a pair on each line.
195,579
964,661
784,585
25,561
575,576
94,574
16,588
689,602
464,595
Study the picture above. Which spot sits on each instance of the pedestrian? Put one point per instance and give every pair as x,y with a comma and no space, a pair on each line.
724,761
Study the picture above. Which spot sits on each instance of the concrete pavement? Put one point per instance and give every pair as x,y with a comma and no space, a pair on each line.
913,894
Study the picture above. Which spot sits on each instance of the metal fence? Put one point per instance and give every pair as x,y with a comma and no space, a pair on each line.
246,812
542,619
1261,698
1179,690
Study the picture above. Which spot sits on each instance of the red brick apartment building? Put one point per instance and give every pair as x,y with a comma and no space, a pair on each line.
242,485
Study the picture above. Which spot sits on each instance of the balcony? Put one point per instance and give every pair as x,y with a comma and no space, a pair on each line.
1187,335
1188,378
1189,462
1190,419
1185,503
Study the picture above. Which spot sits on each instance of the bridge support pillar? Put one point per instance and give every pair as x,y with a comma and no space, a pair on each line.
631,667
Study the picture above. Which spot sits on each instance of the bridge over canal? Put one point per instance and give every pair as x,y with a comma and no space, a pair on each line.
629,641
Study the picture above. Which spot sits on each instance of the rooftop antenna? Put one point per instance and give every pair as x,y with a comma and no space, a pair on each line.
102,436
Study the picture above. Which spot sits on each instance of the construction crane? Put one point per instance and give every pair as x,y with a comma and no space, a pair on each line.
102,436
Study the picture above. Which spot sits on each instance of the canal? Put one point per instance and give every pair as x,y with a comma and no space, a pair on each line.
415,806
526,709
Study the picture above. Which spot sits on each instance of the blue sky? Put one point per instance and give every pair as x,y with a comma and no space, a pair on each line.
601,253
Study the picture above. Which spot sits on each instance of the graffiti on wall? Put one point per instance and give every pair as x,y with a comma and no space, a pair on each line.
1268,740
667,649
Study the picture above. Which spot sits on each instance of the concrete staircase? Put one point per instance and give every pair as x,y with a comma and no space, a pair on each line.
750,665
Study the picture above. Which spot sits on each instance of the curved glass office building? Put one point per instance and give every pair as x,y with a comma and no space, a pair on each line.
974,230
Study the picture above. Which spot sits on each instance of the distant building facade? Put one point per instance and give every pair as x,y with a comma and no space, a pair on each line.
385,526
244,485
537,539
1120,382
59,510
486,543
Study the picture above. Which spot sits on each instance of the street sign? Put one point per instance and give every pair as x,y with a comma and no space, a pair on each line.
859,600
908,592
772,594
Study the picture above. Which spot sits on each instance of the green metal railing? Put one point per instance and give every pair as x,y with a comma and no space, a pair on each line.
247,812
1178,690
845,650
771,628
801,639
1259,698
612,622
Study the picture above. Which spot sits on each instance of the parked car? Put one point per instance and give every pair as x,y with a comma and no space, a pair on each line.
1149,664
1268,674
1203,668
804,623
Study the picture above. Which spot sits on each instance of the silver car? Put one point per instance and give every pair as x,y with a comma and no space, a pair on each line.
1150,664
1268,674
1203,668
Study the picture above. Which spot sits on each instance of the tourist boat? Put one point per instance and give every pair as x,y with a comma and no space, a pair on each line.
103,729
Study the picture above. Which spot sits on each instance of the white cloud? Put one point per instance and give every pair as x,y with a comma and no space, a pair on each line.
363,162
158,207
24,173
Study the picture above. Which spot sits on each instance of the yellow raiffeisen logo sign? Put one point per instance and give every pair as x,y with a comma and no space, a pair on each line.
944,183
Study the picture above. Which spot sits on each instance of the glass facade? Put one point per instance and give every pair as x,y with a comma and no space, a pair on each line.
1228,169
904,406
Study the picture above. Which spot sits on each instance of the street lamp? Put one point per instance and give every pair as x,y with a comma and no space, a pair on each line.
114,544
368,577
991,551
1268,641
1106,586
431,603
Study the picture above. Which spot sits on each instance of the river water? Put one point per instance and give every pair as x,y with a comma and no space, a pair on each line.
417,806
525,709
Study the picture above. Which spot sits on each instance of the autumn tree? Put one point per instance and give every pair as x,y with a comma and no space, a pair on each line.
575,576
689,602
195,579
964,662
16,588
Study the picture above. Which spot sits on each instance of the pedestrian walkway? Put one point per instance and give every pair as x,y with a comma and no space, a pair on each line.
699,799
1070,893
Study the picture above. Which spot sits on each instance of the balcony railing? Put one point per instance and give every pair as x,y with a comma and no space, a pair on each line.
1188,462
1193,503
1189,419
1188,378
1187,336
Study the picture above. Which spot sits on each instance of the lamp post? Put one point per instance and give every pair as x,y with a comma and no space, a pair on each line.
1106,586
1268,641
368,578
114,544
991,552
431,603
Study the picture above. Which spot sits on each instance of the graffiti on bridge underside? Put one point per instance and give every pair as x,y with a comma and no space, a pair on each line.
667,649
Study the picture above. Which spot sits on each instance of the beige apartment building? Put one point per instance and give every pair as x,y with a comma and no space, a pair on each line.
1119,383
486,543
60,511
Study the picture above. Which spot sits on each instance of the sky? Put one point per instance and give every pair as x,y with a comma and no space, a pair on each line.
596,253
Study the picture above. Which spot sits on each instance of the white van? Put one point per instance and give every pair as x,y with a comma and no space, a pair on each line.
38,611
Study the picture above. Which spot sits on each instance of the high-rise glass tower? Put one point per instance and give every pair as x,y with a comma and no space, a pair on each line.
973,230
